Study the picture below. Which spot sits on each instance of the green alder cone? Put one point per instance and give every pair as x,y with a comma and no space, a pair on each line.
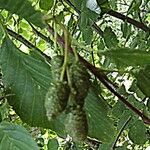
57,63
80,81
76,124
56,99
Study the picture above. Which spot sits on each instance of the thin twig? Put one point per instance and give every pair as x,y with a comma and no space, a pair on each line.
42,36
139,25
26,42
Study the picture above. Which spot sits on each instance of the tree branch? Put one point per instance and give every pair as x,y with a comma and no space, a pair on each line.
102,77
45,38
26,42
139,25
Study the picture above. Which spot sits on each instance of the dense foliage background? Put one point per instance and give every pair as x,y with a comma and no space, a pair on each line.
112,38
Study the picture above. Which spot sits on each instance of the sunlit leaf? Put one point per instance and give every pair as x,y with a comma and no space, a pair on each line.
52,144
24,9
46,4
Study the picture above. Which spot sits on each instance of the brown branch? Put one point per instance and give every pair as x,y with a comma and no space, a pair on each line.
102,77
139,25
26,42
45,38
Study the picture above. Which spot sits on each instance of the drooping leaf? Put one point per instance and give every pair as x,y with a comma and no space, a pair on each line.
15,137
52,144
100,125
110,38
28,79
24,9
128,57
46,4
143,80
137,133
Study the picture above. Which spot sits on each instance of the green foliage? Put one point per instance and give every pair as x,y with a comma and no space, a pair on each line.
100,125
137,133
13,137
60,99
23,9
46,4
110,38
143,80
28,99
52,144
128,57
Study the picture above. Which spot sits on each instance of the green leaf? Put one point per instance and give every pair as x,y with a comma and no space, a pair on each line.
87,35
126,29
52,144
118,109
100,125
24,9
46,4
28,77
110,38
143,80
104,5
137,133
128,57
77,3
105,147
15,137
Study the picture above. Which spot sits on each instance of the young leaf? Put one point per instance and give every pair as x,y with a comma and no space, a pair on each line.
46,4
143,80
110,38
28,78
87,35
100,125
13,137
52,144
128,57
24,9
